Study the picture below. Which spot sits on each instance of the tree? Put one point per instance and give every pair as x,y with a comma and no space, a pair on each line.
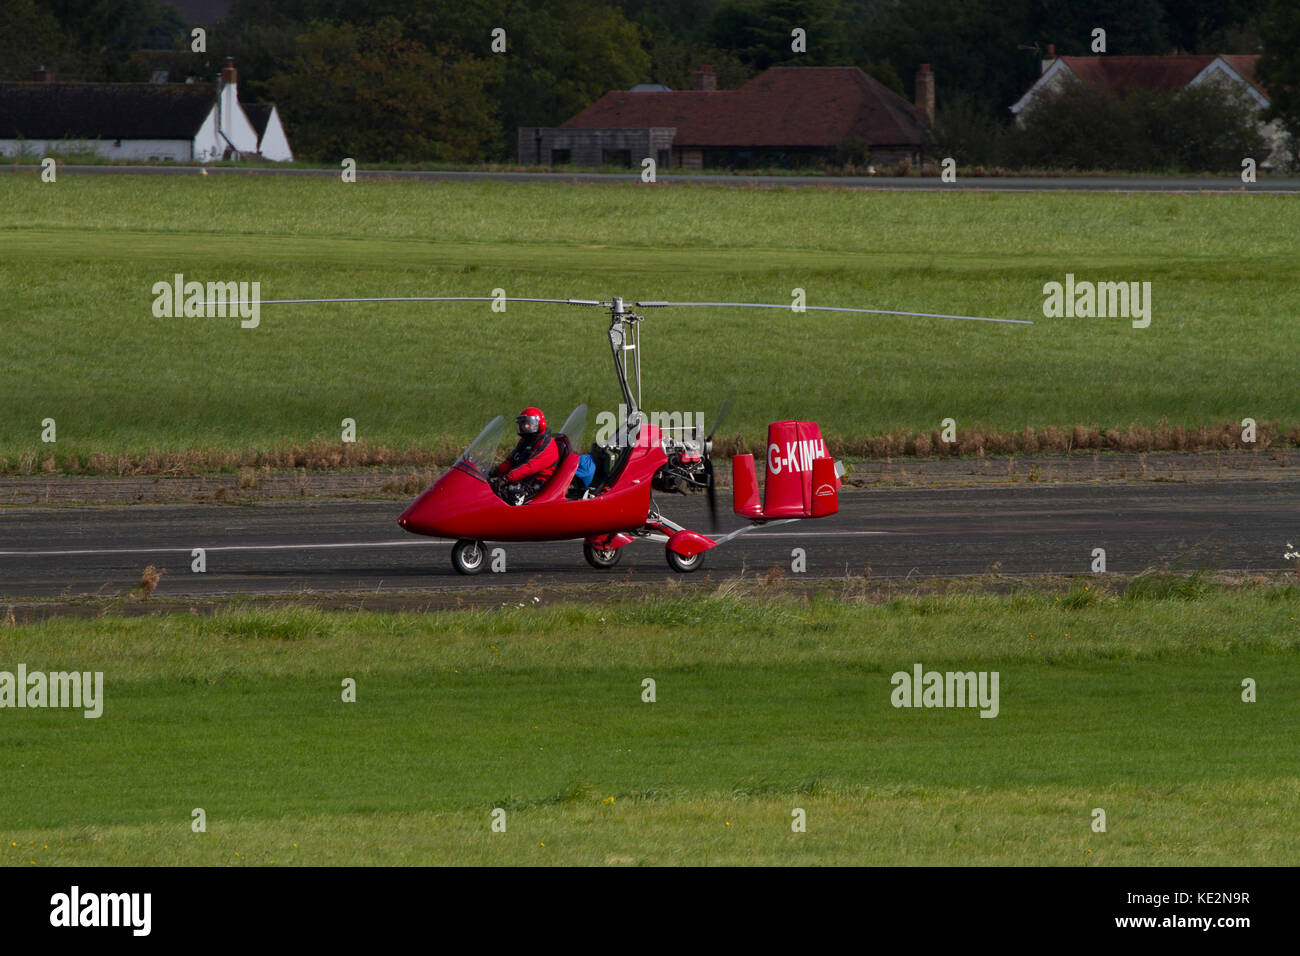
1279,67
971,45
1197,25
966,132
100,32
563,56
370,94
1074,127
1210,127
885,74
674,60
1133,27
560,56
759,32
29,38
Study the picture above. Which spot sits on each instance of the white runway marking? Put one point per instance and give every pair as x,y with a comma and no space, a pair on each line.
815,534
230,547
400,543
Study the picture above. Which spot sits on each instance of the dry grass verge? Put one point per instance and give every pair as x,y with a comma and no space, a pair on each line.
971,442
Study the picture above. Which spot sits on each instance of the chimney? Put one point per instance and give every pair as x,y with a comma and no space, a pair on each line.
228,111
704,78
925,94
42,75
1051,57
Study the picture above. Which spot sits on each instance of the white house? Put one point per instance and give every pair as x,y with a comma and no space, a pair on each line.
145,121
1122,74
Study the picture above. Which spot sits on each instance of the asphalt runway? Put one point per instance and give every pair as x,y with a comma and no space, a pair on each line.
328,547
1000,184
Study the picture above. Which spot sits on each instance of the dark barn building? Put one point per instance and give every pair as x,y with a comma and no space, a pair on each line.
785,116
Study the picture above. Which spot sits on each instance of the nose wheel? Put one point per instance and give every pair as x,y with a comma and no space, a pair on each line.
467,556
684,565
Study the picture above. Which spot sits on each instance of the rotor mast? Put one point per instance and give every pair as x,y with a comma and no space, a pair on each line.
625,346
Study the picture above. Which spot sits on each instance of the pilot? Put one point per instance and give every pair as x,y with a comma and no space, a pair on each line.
532,462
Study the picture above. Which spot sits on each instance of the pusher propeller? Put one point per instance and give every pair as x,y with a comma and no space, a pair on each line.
706,449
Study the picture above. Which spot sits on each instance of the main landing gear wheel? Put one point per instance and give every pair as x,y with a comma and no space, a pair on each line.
684,565
467,556
601,558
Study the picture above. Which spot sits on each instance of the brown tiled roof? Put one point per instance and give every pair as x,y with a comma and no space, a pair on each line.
1245,65
1120,74
783,106
104,110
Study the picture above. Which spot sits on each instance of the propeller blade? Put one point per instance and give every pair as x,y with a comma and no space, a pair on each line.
722,413
831,308
706,450
713,495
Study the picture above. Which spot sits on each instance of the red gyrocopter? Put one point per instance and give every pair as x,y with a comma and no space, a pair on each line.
617,507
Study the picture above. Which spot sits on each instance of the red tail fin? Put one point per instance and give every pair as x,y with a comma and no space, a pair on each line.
792,447
744,487
825,486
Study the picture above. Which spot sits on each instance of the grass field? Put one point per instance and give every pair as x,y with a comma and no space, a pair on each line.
1128,704
79,258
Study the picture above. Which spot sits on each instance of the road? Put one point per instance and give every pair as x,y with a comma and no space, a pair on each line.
322,547
1002,184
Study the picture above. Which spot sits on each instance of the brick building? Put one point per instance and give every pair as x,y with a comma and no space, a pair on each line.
785,116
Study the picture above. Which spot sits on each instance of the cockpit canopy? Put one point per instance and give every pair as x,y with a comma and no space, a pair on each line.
484,451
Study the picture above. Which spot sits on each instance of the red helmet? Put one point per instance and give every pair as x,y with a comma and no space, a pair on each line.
531,421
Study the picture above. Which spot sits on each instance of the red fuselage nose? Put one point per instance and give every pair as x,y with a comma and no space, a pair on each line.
454,506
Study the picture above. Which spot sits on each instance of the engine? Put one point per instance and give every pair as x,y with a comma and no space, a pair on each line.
686,468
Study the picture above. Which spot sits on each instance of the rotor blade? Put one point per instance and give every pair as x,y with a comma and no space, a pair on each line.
416,298
831,308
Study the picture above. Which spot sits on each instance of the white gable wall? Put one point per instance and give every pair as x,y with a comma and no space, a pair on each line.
205,142
275,145
210,144
1219,72
234,122
1051,79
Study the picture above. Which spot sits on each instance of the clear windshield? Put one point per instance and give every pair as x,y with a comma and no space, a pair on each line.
482,452
574,427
